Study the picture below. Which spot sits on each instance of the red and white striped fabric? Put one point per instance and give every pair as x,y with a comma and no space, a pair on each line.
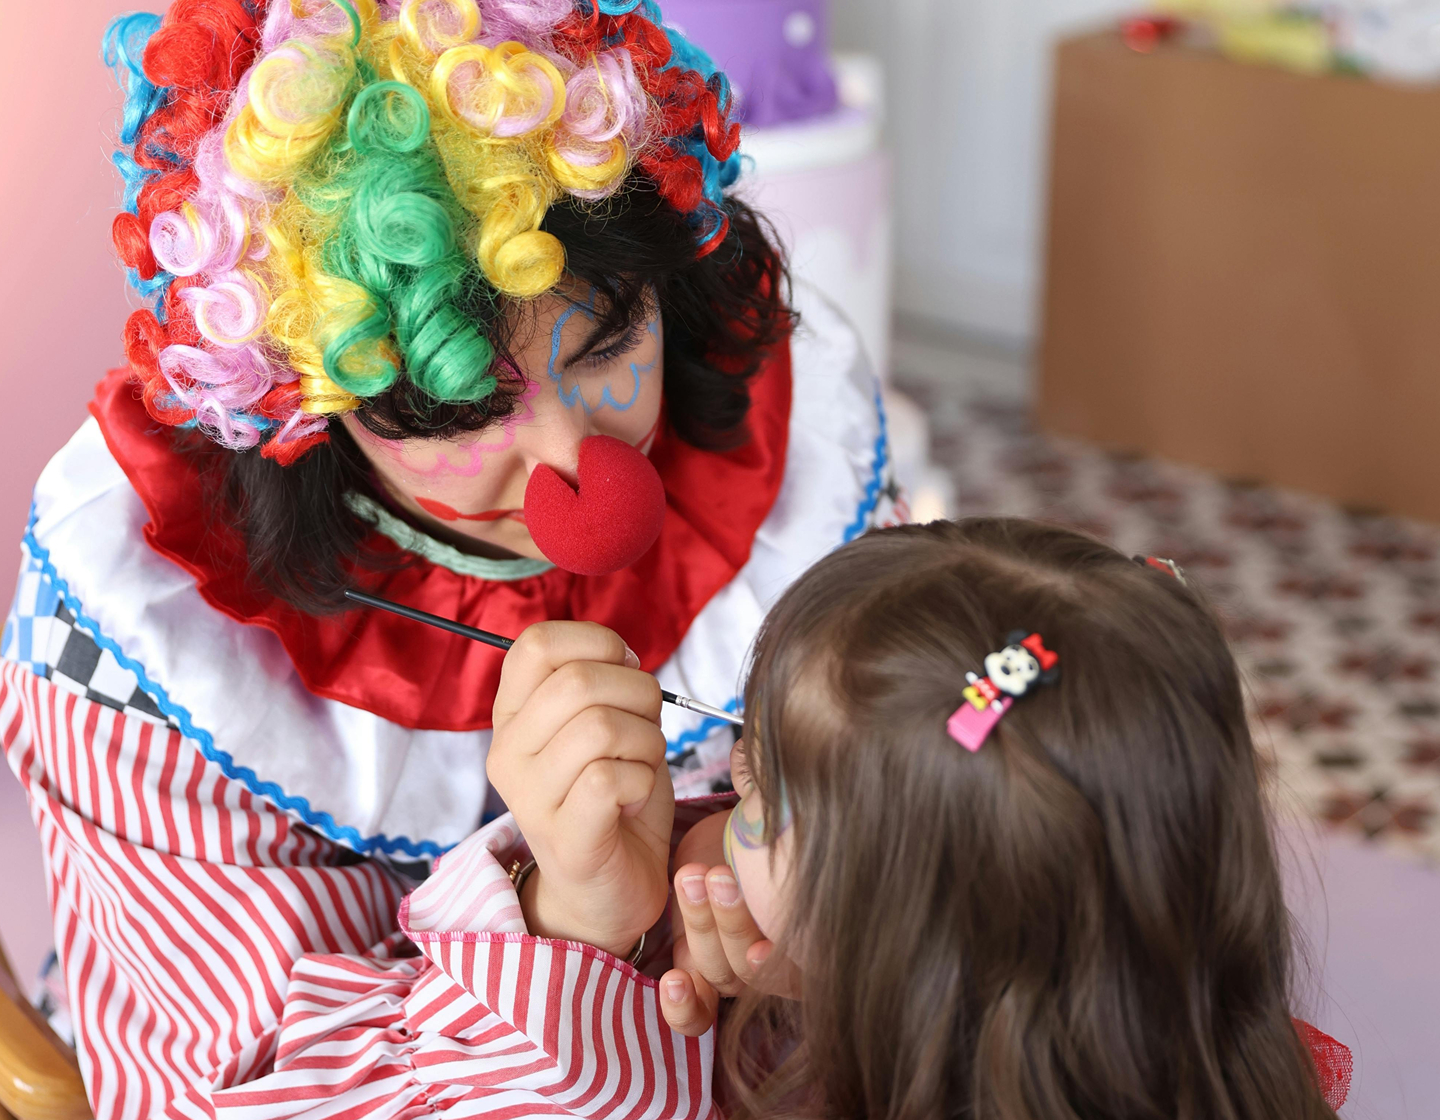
223,960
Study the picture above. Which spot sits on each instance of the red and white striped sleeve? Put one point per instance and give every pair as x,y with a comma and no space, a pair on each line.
223,960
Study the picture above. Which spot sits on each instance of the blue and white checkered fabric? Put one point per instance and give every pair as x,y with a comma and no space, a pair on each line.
42,635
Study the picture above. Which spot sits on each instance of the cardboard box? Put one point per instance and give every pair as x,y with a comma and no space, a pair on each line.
1244,271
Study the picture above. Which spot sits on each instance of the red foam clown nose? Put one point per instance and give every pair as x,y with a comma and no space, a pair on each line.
610,522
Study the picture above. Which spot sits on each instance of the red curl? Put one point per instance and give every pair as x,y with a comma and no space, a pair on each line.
281,402
291,450
202,45
143,338
164,192
132,244
678,178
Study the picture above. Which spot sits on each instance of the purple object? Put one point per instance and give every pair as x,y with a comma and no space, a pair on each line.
775,52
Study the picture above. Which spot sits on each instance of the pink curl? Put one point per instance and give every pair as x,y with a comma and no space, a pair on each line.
604,100
213,169
238,433
230,310
216,235
323,18
217,383
300,425
526,21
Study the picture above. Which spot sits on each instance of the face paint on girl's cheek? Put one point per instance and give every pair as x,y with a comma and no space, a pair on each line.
743,831
476,452
748,854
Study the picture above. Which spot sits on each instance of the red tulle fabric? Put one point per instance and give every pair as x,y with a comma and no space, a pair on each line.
1334,1064
423,678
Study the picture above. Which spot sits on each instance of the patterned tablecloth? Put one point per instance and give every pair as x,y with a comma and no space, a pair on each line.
1334,613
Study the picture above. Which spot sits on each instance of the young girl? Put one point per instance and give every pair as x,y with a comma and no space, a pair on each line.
1000,837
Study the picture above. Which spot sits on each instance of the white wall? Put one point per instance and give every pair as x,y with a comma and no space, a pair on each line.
969,85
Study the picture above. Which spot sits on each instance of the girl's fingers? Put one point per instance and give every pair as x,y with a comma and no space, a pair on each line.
776,976
735,927
702,936
593,735
688,1003
543,648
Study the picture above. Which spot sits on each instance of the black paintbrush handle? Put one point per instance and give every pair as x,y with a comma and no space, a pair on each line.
499,641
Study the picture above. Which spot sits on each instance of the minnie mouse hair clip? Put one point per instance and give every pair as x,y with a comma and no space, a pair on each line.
1009,674
1160,564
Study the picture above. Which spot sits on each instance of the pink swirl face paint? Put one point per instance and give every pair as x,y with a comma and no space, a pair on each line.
473,452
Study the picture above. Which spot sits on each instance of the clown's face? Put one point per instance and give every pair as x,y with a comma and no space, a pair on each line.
470,489
1012,670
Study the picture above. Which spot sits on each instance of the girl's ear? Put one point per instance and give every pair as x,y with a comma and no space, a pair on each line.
740,776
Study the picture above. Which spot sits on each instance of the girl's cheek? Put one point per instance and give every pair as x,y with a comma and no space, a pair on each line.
752,871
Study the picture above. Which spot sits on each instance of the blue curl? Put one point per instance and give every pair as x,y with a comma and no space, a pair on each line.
122,49
133,176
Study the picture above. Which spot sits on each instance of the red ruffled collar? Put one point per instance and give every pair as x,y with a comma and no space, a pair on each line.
425,679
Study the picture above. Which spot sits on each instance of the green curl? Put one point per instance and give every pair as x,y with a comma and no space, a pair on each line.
397,235
388,115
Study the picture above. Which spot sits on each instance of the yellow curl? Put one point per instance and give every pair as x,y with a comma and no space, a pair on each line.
423,30
296,315
511,208
585,177
506,99
297,95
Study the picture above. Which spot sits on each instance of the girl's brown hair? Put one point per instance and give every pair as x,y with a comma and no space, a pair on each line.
1084,918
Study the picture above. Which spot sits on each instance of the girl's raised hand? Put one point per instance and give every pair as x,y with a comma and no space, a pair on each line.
721,950
579,757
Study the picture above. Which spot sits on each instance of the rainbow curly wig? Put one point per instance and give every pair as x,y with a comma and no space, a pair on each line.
328,195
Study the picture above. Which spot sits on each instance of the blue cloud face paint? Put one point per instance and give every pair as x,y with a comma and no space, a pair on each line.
575,394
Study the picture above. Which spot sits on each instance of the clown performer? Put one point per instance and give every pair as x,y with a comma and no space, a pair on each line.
443,301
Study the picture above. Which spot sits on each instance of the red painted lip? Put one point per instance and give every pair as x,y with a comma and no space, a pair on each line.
449,513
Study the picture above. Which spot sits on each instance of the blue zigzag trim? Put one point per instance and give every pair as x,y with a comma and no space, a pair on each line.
699,733
321,821
872,488
868,501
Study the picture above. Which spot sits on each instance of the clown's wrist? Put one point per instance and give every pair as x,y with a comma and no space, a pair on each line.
547,915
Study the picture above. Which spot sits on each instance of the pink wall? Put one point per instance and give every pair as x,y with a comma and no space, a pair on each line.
62,295
62,303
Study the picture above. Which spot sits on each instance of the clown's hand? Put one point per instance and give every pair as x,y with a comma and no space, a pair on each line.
579,757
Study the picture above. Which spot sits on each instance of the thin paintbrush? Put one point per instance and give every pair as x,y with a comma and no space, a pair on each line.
501,642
